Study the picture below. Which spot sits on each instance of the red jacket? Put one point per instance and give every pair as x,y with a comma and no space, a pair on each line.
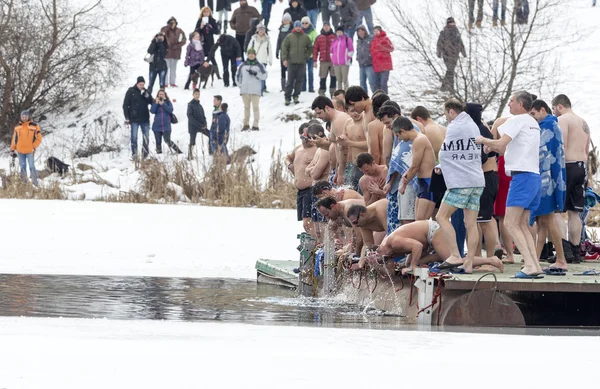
322,46
381,49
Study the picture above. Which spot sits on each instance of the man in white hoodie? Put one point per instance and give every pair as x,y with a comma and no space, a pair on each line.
460,161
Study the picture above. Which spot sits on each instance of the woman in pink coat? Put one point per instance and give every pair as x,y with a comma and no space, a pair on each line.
341,57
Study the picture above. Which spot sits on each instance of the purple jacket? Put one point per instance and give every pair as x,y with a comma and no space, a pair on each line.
193,57
341,51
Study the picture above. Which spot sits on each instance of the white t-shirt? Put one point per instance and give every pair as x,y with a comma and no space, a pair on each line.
460,157
522,153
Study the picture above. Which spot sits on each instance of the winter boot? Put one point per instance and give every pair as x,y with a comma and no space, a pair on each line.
287,102
225,23
495,23
190,153
331,92
575,249
321,92
254,128
246,127
568,251
478,24
296,100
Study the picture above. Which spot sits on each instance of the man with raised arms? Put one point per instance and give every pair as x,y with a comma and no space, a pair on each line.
324,110
422,164
374,178
576,137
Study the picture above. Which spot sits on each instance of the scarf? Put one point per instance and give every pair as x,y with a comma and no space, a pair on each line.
285,27
197,44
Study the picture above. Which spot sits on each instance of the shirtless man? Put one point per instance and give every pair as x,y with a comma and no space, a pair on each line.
324,189
434,132
354,139
372,221
324,110
302,157
424,236
374,178
318,170
335,211
399,163
576,137
423,162
375,129
339,105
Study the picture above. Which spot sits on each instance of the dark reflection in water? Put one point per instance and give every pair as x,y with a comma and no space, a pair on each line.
205,299
184,299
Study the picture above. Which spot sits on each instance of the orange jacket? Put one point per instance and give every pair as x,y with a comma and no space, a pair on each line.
26,138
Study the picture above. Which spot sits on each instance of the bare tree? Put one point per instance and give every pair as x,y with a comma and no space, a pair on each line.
512,56
54,57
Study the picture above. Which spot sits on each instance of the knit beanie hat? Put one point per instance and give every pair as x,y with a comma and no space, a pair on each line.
297,24
140,79
26,113
251,51
450,20
339,28
306,20
287,16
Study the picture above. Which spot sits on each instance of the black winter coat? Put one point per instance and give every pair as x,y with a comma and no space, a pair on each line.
159,49
296,13
196,118
230,47
208,33
223,5
281,38
348,14
311,4
135,105
450,44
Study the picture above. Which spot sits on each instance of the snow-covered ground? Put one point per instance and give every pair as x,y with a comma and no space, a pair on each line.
65,237
72,353
144,19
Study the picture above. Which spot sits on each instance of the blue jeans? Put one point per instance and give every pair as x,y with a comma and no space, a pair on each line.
367,73
381,81
266,11
495,5
458,222
313,14
134,138
25,159
311,77
368,17
162,79
350,32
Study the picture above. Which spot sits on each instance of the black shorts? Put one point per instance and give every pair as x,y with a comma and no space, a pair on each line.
437,187
304,203
576,183
488,197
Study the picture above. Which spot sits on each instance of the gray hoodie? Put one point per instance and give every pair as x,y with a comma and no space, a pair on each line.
363,48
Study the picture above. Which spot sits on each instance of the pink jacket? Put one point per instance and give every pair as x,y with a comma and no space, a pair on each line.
341,51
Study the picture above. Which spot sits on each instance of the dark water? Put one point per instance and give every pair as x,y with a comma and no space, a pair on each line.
183,299
197,300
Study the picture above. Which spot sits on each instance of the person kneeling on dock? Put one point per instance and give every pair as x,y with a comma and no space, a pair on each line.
425,236
372,221
336,211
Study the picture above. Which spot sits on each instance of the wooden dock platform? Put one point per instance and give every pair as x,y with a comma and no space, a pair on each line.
569,283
